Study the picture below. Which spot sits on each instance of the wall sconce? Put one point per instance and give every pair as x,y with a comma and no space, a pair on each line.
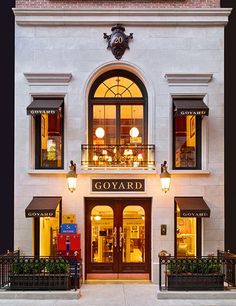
165,177
72,177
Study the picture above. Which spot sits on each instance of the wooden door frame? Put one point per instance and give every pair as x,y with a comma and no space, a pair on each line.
107,268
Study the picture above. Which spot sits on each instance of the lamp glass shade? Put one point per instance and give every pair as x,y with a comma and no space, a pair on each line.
134,132
100,132
71,181
165,183
97,218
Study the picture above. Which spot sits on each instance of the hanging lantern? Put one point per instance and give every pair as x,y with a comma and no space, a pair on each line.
72,177
165,177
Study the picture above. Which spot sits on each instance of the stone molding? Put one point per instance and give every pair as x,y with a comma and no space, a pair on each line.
48,78
188,78
108,17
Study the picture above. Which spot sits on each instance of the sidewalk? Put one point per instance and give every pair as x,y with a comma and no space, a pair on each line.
119,295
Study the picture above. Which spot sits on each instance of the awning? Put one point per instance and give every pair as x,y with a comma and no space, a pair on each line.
42,207
192,207
46,106
190,107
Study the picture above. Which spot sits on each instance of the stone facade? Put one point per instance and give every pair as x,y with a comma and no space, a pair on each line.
155,51
76,4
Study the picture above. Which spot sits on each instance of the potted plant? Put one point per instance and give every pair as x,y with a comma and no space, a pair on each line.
39,274
195,274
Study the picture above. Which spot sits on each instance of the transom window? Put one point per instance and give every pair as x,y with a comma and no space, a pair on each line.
118,110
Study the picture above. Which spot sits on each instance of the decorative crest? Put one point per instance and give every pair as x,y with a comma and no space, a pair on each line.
118,41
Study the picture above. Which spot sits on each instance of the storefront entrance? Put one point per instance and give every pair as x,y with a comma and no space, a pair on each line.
118,238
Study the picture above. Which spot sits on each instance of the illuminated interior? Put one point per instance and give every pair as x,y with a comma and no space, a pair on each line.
51,141
48,230
133,234
186,236
104,236
118,87
185,141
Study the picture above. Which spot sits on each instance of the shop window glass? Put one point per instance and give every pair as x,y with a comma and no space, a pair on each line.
102,221
186,237
187,142
48,230
49,141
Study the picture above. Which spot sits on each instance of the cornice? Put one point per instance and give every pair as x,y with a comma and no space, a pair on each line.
107,17
188,78
48,78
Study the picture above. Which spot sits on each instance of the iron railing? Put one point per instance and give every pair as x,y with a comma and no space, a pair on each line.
5,266
229,267
118,156
198,270
39,273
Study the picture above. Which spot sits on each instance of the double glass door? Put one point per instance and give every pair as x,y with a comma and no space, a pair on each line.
118,236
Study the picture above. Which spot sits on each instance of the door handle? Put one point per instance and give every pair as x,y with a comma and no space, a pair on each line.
115,237
121,237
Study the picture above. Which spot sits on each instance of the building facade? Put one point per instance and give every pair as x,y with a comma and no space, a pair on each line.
117,89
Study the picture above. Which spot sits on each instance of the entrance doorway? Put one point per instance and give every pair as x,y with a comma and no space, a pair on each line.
118,238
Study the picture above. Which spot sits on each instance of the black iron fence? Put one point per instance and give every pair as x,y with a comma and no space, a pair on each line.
197,273
120,156
229,267
39,273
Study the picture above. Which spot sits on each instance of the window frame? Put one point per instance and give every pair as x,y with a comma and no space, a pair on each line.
37,136
199,152
118,102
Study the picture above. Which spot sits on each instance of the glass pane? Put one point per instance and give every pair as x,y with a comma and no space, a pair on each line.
102,234
131,124
133,234
49,228
104,117
51,141
118,87
185,141
186,237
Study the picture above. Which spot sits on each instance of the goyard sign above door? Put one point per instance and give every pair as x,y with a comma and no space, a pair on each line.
118,41
118,185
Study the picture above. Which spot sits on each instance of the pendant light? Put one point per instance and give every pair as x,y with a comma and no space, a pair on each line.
100,132
134,132
165,177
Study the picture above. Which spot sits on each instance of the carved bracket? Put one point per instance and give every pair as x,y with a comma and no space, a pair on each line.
118,41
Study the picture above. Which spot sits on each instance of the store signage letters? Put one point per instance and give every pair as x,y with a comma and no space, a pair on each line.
195,214
42,111
40,214
118,185
193,113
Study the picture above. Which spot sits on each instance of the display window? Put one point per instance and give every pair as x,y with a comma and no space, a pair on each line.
187,142
49,140
187,235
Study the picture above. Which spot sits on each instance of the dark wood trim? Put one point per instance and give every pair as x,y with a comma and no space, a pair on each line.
37,121
36,236
198,144
118,204
119,101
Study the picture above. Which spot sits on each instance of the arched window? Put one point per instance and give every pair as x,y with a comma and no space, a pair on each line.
118,110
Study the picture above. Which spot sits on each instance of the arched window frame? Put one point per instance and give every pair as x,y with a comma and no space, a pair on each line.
118,101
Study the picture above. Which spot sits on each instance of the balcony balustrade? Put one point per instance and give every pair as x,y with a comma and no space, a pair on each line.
118,156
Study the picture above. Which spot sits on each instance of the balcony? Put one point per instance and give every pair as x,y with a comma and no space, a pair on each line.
138,157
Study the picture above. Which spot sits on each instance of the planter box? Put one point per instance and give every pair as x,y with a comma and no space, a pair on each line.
39,282
195,282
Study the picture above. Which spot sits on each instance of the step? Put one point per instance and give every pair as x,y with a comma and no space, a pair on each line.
196,295
40,295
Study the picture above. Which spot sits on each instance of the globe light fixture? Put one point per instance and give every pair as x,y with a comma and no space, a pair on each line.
72,177
100,132
165,177
134,132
